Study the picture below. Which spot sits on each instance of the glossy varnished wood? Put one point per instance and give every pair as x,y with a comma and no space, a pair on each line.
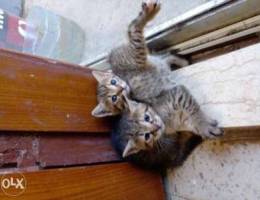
45,95
106,182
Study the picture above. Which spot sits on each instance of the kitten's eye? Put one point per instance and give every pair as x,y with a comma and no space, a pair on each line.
114,98
147,136
146,118
113,82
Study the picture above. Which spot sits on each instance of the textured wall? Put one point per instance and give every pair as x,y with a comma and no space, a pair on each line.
105,22
227,87
219,171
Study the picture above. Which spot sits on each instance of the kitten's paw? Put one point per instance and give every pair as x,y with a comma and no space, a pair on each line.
151,8
211,130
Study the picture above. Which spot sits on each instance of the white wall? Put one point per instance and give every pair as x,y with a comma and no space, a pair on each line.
105,21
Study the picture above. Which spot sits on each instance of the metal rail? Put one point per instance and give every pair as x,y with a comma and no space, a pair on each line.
200,28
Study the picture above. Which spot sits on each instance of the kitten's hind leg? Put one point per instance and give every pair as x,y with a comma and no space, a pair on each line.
192,116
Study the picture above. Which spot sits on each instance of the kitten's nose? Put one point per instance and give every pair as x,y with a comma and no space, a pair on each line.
157,127
121,89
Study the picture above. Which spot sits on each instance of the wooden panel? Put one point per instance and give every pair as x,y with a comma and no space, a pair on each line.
54,149
64,150
107,182
45,95
18,150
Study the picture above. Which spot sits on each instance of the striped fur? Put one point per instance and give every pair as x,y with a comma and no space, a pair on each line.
170,106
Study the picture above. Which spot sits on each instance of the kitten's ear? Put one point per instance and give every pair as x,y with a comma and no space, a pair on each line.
131,105
131,148
102,75
101,111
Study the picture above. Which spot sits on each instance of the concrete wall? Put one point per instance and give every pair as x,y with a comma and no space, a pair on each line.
105,22
219,171
227,88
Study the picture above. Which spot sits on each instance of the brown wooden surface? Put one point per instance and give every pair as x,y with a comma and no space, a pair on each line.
103,182
42,99
44,95
65,150
54,149
18,150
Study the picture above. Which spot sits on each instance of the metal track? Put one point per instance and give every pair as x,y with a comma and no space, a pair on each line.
200,28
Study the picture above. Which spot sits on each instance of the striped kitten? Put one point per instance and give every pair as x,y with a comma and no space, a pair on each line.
149,81
166,107
146,75
175,110
168,151
111,94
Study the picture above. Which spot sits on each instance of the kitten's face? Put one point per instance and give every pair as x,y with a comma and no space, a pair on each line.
112,92
145,128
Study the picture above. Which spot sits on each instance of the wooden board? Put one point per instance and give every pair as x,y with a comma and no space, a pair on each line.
65,150
106,182
54,149
45,95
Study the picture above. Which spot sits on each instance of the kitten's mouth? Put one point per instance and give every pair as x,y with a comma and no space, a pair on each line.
157,132
150,145
121,89
126,90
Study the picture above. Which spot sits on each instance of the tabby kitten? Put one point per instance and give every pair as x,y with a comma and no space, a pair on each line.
167,151
173,111
146,75
111,95
150,82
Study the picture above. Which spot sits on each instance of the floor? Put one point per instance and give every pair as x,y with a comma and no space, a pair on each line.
105,22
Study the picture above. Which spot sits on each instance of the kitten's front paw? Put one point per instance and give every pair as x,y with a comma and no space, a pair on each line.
151,7
210,130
